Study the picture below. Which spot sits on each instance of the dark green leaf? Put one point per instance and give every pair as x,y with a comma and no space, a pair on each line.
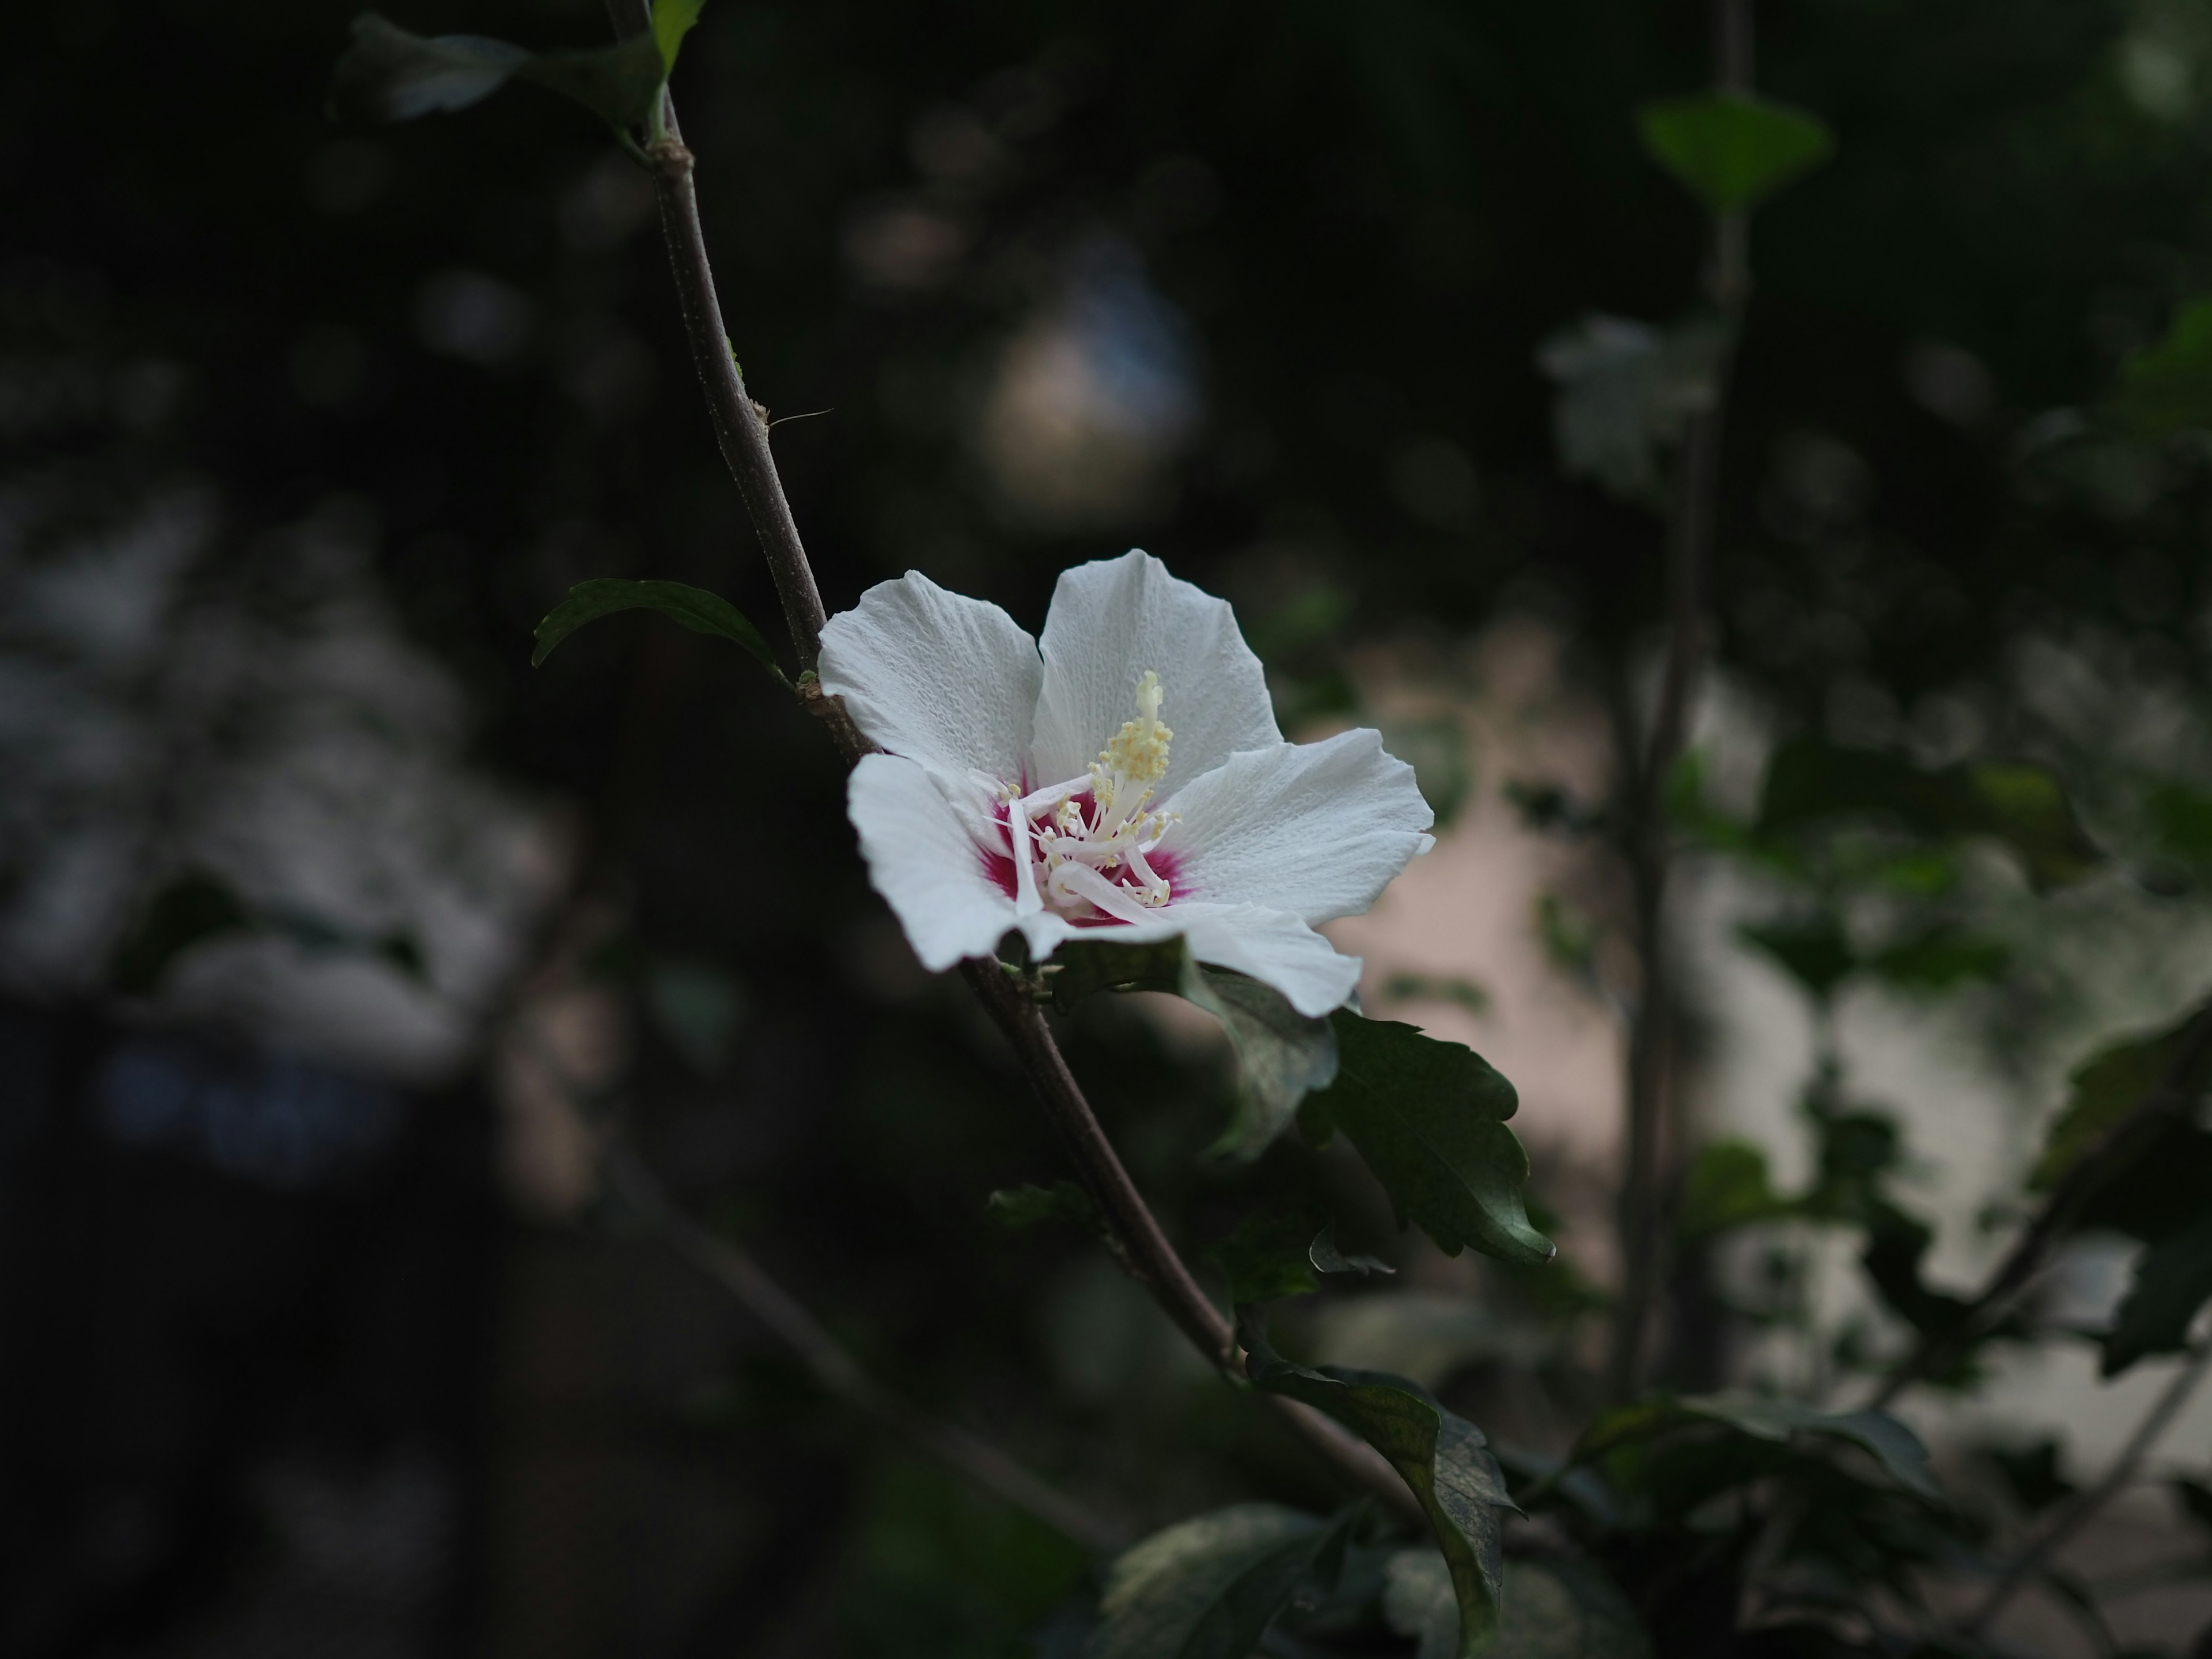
2100,1092
1429,1117
1732,150
387,74
1938,960
2032,1476
693,607
1812,950
1442,1458
672,22
1208,1588
620,84
1264,1258
1553,1610
1025,1205
1327,1258
2173,1281
190,911
1281,1054
1728,1187
1895,1446
2168,385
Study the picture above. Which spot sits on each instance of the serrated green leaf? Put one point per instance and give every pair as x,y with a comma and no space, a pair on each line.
672,22
1209,1587
2100,1092
1553,1610
387,74
1327,1257
2173,1281
1442,1458
1429,1118
1266,1260
693,607
1025,1205
1730,149
1281,1054
1892,1444
620,84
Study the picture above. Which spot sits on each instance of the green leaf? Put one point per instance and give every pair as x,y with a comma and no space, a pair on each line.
1443,1458
693,607
387,74
1208,1588
1325,1257
2167,386
2101,1091
620,84
189,912
1892,1444
1281,1054
672,22
1732,150
1553,1610
2173,1281
1810,784
1429,1118
1812,950
1266,1258
1728,1187
1437,987
2031,1475
1025,1205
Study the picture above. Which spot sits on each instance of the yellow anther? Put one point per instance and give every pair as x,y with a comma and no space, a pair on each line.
1139,752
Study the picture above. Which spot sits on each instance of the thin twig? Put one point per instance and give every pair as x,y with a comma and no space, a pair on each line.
2085,1505
1689,559
745,442
973,1459
2177,1090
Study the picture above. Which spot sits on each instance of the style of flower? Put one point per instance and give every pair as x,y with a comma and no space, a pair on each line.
1036,786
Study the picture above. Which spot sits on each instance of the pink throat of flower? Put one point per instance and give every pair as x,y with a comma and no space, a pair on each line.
998,860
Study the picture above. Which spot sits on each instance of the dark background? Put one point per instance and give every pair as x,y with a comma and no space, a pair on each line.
340,1396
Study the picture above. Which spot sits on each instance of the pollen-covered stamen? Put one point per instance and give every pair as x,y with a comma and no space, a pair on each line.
1095,840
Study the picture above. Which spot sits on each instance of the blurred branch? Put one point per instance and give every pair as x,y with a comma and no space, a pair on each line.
1689,558
742,431
840,1375
2085,1505
2177,1090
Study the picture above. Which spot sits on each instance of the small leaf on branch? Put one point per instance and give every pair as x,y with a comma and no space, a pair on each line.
1327,1258
672,22
1891,1444
1266,1260
1429,1118
1281,1054
1025,1205
693,607
2172,1281
1208,1588
1730,149
387,74
1442,1458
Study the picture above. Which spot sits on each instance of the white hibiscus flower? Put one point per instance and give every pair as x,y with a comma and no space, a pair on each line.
1046,794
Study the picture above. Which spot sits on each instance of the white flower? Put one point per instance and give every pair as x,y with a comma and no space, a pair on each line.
1045,794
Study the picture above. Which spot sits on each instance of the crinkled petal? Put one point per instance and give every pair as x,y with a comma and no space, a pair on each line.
941,678
1109,622
1315,829
1272,946
925,860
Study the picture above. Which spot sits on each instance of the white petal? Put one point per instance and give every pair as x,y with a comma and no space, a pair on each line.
1112,620
923,858
937,676
1271,945
1315,829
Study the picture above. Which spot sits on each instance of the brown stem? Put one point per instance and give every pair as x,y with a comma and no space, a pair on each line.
1689,560
2084,1506
2176,1092
975,1460
743,434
